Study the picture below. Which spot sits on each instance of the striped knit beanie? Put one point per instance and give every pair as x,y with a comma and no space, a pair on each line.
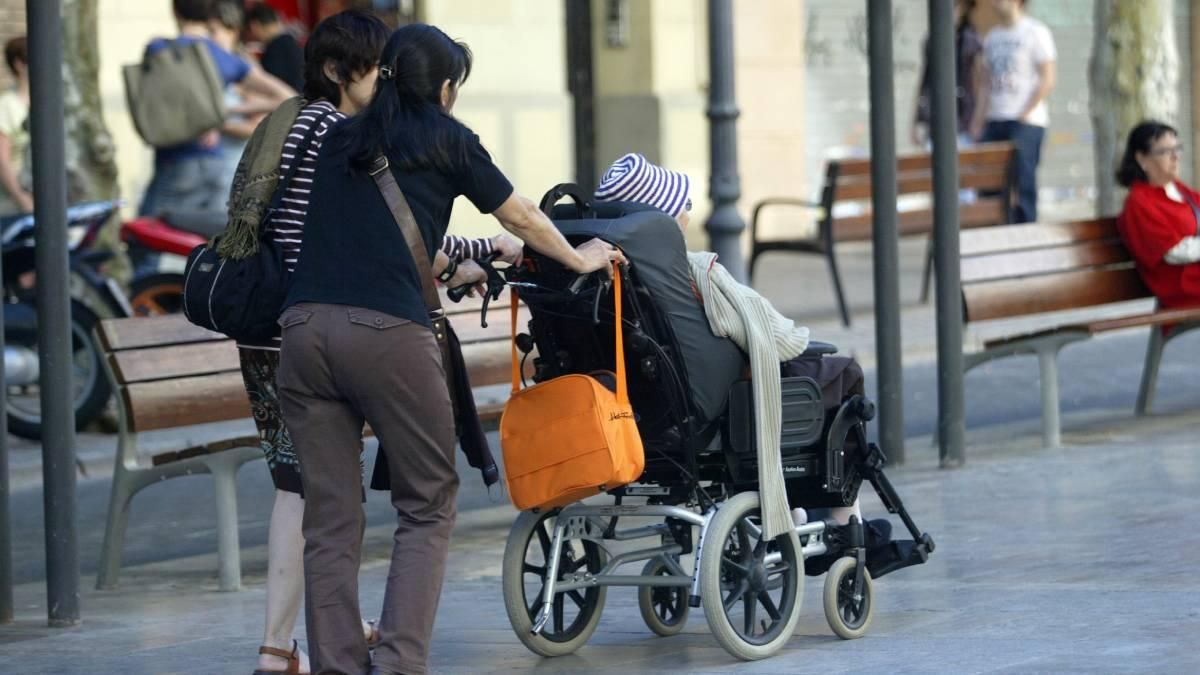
633,179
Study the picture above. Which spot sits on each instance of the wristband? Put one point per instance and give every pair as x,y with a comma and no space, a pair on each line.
448,273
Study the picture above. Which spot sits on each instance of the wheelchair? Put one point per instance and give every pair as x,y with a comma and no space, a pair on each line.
698,494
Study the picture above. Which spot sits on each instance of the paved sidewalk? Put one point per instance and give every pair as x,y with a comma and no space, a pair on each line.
1076,560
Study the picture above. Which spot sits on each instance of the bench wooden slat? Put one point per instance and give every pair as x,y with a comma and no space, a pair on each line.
1035,235
1035,262
499,325
1157,318
174,329
206,449
921,184
984,153
186,401
1164,317
490,363
161,363
983,213
1051,292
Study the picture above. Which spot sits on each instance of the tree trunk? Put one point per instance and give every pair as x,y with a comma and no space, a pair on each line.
1134,73
91,163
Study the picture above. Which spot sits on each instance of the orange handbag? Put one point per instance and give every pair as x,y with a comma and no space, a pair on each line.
570,437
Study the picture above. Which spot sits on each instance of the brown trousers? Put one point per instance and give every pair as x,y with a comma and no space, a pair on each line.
341,366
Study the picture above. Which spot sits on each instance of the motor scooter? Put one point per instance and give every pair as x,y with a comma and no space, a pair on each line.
158,247
93,297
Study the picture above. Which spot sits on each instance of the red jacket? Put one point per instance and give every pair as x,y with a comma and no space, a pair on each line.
1152,224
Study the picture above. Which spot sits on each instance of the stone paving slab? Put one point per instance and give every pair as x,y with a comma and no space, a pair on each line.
1077,560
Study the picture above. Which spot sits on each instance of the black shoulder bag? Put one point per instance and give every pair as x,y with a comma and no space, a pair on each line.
242,298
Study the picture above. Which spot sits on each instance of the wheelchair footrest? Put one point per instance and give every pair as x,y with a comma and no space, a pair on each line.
897,555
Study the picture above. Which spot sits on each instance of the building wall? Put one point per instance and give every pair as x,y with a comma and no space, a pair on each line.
516,99
652,95
838,106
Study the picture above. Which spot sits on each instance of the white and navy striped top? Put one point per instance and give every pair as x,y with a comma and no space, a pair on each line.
286,224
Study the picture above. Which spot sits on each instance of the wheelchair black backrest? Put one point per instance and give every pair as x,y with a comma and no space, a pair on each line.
670,314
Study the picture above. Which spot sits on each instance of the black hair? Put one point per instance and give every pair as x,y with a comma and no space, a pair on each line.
16,49
1141,140
193,10
351,41
229,13
416,61
262,13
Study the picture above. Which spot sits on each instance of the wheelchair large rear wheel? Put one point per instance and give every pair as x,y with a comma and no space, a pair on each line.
751,587
849,615
575,613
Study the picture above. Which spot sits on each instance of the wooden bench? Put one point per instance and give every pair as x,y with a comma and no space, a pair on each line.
168,373
984,168
1021,270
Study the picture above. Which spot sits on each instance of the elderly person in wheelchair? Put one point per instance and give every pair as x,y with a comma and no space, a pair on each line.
633,179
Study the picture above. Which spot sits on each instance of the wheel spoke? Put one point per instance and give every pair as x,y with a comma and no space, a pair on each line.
741,569
559,607
736,594
750,606
769,605
744,541
577,598
544,538
539,570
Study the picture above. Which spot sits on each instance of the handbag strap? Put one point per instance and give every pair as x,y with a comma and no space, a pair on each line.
403,215
622,385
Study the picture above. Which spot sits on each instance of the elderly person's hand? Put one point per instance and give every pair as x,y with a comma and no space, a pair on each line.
511,250
596,255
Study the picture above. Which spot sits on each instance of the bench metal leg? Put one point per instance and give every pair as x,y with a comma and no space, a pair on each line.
123,488
837,286
229,566
1154,350
927,275
1051,422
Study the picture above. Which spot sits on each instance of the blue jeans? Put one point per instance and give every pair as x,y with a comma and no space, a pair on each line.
187,184
1027,140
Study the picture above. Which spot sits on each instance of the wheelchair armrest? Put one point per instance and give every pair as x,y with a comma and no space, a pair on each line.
818,349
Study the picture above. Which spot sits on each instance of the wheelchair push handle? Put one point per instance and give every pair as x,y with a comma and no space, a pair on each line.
494,286
582,202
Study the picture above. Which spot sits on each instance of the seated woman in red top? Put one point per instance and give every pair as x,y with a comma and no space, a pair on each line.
1161,219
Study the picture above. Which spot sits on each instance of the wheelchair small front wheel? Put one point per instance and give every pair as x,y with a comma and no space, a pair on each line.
664,608
848,614
523,575
752,587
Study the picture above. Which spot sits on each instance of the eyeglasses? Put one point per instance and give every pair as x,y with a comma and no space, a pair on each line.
1163,152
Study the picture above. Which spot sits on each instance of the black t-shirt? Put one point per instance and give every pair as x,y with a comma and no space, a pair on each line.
283,58
354,252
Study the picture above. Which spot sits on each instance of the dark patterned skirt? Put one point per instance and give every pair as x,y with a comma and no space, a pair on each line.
258,372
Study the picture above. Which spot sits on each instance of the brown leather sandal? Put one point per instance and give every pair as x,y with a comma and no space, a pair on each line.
293,659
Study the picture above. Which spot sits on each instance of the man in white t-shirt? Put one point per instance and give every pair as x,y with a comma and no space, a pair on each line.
1017,73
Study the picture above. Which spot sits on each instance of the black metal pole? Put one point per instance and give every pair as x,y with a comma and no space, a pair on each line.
54,310
886,243
6,558
944,127
580,83
725,224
